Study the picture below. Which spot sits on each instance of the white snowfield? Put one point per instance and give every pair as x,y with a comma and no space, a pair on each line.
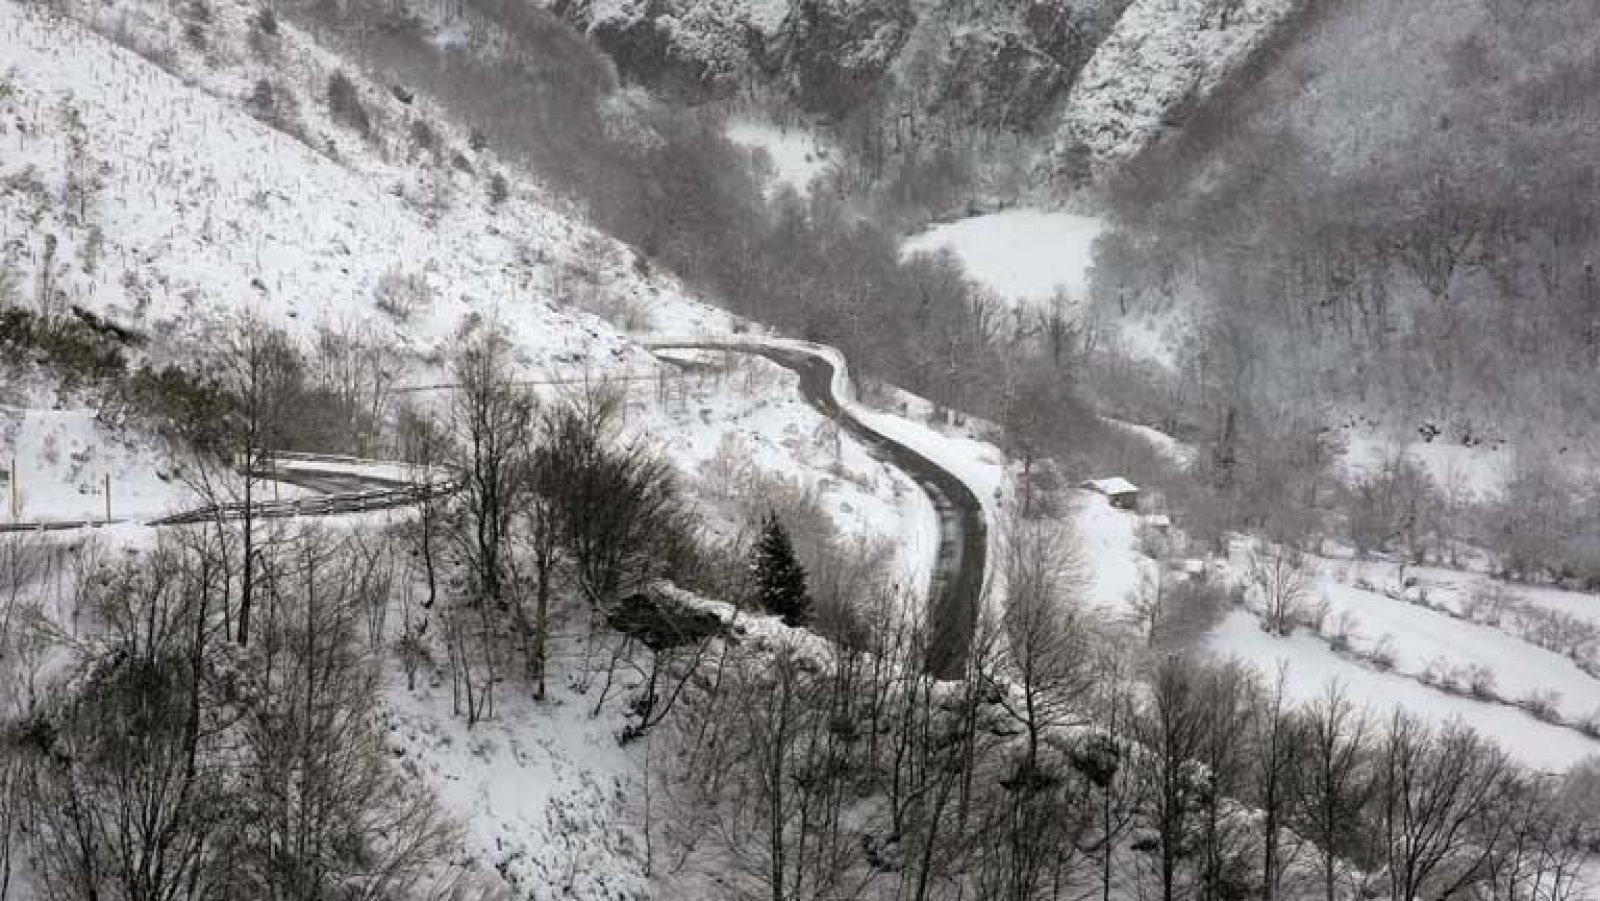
1110,541
1433,657
1424,639
60,463
1025,255
798,156
1311,666
204,211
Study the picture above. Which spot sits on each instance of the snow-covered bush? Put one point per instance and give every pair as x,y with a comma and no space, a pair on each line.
402,295
1383,653
1543,704
1481,682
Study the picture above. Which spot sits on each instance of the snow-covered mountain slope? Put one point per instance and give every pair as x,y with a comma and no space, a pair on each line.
1162,61
150,198
169,198
1095,81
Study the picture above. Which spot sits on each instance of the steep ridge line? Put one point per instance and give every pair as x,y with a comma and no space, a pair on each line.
958,577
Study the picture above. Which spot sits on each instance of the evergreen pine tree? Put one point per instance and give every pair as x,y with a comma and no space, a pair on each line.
780,580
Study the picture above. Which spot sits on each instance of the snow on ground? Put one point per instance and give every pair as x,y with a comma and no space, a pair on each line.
62,461
544,790
1420,639
1424,640
1311,665
1453,587
745,411
1110,542
1150,339
1480,469
798,155
204,211
1161,55
1177,451
1023,255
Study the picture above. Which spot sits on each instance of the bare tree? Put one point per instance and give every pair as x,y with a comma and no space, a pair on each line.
262,372
1280,576
1334,783
1434,791
323,813
1276,764
1044,652
492,420
1173,730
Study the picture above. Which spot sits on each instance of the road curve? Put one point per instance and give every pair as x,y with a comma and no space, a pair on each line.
957,585
338,491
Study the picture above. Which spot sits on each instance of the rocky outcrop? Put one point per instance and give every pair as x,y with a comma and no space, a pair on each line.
833,55
1090,83
1000,64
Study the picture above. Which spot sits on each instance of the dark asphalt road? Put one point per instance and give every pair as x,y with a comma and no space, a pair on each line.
958,575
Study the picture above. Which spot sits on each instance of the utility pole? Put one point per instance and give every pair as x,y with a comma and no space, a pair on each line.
108,496
16,476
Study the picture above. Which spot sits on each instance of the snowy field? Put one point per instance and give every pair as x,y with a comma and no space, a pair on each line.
1433,653
1023,255
1432,659
1311,666
1109,539
798,156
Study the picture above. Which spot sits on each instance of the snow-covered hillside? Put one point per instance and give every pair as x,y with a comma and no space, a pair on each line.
150,196
1162,60
196,211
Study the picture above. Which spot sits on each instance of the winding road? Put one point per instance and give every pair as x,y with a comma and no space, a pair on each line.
958,576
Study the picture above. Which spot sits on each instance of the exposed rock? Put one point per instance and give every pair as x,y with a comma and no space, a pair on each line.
662,618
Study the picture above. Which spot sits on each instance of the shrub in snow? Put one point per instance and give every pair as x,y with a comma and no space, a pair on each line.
1486,603
401,295
1481,682
1436,673
1316,614
1345,629
1382,655
1543,705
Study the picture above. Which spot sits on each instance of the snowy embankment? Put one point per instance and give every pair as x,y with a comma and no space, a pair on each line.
1025,256
1439,648
1430,654
61,462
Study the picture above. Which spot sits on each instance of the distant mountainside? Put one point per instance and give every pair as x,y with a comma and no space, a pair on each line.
1086,83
